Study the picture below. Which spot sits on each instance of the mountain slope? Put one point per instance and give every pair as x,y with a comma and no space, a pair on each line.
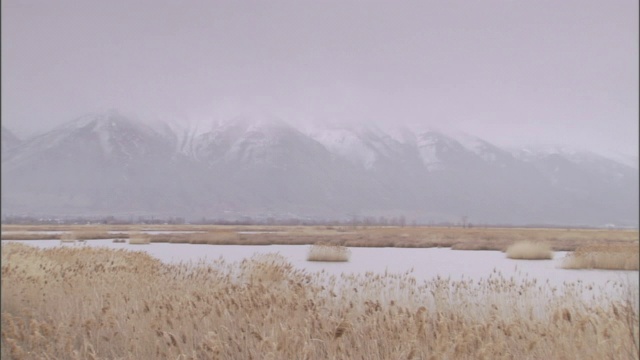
112,165
98,163
9,141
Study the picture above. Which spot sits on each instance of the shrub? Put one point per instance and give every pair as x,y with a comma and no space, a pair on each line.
529,250
327,252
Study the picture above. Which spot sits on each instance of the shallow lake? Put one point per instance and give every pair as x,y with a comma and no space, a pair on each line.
423,264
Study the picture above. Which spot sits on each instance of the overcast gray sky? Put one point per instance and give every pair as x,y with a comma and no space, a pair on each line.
509,71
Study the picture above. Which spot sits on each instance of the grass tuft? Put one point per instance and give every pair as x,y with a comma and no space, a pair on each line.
529,250
138,238
620,257
69,237
328,252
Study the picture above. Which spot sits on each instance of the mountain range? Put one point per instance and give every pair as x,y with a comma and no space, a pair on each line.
109,164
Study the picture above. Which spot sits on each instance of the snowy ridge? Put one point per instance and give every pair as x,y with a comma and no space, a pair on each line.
244,138
531,152
264,164
347,144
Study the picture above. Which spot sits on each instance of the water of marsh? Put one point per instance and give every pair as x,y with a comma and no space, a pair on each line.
422,264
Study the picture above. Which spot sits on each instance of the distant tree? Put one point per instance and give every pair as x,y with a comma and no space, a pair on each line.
354,220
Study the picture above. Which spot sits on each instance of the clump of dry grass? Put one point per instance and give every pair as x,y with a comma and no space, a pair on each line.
83,302
618,257
92,235
529,250
328,252
139,238
68,237
81,236
492,245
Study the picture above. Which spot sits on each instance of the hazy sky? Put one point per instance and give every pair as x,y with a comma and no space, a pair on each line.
509,71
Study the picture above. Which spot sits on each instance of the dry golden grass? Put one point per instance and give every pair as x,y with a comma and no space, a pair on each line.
499,245
85,235
67,237
94,235
528,250
621,257
328,252
374,236
25,235
69,233
138,238
95,303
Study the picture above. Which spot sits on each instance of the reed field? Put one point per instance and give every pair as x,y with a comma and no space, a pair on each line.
371,236
98,303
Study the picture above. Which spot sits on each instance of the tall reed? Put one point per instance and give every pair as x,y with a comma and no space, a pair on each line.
96,303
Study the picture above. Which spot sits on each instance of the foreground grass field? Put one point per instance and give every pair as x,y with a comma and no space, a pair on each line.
92,303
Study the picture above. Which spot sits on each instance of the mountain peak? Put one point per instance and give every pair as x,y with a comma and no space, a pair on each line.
263,164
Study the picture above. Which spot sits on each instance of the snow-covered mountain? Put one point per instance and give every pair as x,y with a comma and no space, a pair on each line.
9,141
110,164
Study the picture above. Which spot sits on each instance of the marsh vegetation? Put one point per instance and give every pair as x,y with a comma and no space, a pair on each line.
591,248
84,302
619,257
457,238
